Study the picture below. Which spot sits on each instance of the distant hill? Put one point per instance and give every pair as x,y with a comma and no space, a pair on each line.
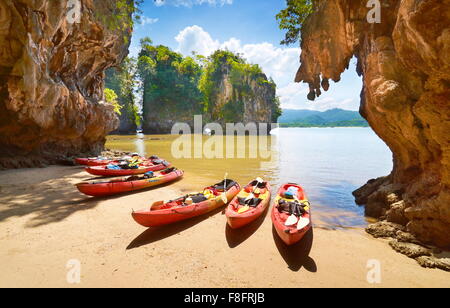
330,118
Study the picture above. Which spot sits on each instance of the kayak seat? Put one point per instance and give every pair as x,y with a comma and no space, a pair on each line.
168,170
224,185
260,185
293,208
133,178
199,198
254,202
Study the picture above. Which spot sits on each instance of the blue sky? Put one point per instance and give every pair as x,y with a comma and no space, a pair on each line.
245,26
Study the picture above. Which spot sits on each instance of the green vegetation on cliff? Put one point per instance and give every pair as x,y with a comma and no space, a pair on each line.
126,13
242,77
292,19
122,82
169,81
112,98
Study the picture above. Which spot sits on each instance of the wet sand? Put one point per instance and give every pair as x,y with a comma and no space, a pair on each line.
45,222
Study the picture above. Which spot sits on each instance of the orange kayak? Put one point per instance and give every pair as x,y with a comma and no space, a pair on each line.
134,183
249,204
284,208
164,213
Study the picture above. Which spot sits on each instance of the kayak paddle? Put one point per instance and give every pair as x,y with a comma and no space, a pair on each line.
224,195
302,223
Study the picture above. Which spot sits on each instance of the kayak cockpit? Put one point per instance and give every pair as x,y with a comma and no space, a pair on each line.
208,194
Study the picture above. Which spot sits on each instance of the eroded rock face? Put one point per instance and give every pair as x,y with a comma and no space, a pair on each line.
257,107
51,79
405,64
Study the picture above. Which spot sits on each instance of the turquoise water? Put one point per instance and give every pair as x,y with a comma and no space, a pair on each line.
330,163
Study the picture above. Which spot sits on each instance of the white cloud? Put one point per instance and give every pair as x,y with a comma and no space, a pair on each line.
279,63
195,39
190,3
148,21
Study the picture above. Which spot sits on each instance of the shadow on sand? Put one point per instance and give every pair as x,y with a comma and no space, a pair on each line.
237,237
297,256
156,234
51,198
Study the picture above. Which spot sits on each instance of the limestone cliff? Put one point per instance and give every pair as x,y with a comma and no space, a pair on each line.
127,125
51,79
252,99
405,63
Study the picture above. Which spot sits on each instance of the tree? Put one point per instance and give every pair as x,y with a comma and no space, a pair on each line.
292,19
125,14
276,110
169,81
112,98
122,80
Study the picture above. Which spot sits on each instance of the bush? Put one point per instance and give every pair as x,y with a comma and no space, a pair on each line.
292,19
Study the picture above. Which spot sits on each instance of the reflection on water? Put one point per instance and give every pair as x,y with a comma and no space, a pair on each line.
329,163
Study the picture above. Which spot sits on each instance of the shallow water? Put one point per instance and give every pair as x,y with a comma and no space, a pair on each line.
329,162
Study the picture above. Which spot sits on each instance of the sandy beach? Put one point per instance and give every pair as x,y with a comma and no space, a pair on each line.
45,222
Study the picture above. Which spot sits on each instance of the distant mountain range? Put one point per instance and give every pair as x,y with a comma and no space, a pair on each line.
330,118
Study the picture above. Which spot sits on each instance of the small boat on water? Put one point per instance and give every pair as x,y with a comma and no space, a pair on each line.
249,204
189,206
291,214
133,183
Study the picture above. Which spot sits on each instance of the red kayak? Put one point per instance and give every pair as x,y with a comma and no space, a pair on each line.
101,162
96,162
105,162
189,206
249,204
144,168
117,186
82,161
291,207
